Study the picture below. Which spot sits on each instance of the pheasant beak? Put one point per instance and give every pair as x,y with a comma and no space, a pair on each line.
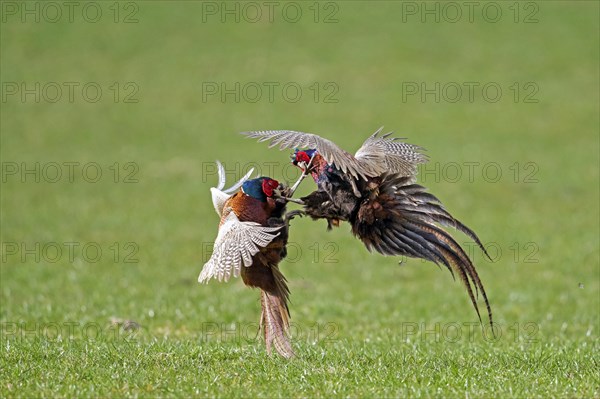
299,163
278,192
283,192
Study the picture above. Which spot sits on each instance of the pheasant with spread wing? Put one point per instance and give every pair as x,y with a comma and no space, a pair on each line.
374,191
251,241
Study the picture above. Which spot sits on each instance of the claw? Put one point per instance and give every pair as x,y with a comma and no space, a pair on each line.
295,186
292,214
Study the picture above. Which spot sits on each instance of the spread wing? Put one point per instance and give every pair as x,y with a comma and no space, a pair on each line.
333,154
388,154
236,244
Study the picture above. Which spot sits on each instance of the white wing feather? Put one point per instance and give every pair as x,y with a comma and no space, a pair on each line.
218,198
236,244
219,195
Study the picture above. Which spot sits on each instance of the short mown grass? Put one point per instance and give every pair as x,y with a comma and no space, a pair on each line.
132,320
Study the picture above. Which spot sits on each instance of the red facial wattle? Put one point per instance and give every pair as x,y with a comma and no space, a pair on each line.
302,156
268,185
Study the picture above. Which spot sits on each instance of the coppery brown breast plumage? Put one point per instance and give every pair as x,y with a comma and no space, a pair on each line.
249,209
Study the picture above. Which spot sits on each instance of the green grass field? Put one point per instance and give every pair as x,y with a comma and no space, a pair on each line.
107,218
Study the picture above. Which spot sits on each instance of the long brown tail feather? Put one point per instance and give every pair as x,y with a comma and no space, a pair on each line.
461,262
275,324
431,207
274,318
401,220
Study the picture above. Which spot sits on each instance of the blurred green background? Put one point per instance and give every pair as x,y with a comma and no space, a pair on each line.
362,320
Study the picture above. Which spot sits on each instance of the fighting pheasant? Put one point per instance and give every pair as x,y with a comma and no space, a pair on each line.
251,241
374,191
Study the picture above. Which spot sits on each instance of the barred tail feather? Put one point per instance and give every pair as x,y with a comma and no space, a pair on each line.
400,219
275,324
454,257
415,199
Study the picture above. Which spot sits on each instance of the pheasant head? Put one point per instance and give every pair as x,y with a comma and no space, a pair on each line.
301,159
261,188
